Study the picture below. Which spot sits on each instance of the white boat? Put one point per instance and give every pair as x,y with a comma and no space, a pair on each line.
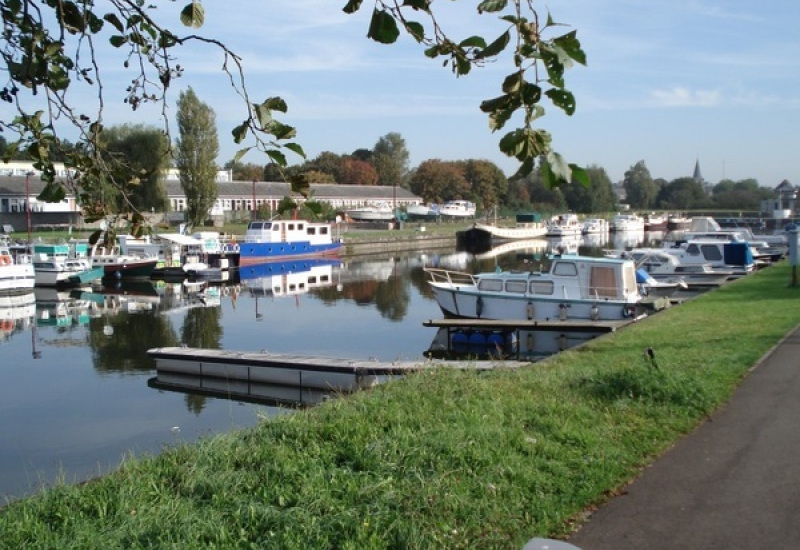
576,288
627,222
15,276
650,286
63,265
528,226
593,226
564,225
458,209
423,212
723,255
668,268
381,211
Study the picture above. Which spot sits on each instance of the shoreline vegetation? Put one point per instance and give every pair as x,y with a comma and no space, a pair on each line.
446,458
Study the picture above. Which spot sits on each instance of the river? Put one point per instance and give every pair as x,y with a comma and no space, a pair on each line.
76,397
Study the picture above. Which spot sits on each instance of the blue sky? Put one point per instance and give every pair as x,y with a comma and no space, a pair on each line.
668,82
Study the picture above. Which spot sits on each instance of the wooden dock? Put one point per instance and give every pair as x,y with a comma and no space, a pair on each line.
326,373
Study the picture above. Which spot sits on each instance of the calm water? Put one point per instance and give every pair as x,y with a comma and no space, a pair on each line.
75,399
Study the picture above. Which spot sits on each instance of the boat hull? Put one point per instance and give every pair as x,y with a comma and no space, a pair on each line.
16,278
138,269
257,253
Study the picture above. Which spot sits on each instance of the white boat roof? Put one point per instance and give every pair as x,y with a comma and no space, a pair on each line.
184,240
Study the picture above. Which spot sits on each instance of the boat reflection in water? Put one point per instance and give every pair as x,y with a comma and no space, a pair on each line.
17,312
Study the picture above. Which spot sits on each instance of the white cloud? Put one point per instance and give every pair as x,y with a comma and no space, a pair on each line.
684,97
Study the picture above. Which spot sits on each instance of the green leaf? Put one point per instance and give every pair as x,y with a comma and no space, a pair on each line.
512,83
352,6
296,148
383,27
240,153
491,6
193,15
495,47
416,30
52,192
571,47
580,175
563,99
118,40
114,20
275,104
473,42
300,184
240,132
277,157
423,5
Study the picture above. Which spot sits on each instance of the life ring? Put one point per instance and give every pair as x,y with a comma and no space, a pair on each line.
5,259
7,325
628,311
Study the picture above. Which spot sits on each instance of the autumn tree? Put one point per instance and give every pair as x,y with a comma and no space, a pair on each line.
358,172
245,171
487,181
196,154
437,181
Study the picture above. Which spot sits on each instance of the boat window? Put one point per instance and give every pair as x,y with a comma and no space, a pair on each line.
491,285
255,225
323,230
693,249
711,252
267,225
603,281
565,269
300,226
276,227
517,287
542,287
312,230
325,279
312,280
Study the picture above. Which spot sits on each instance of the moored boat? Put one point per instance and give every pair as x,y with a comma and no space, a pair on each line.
117,265
381,211
483,235
593,226
627,222
271,240
575,288
459,209
564,225
423,212
15,276
63,265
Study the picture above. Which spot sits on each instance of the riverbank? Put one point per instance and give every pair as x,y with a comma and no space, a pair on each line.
444,459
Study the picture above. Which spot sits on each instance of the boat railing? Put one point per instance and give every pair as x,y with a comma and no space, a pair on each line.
439,275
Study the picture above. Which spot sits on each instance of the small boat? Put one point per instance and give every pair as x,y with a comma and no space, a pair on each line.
459,209
593,226
61,265
276,240
14,276
564,225
655,222
668,268
381,211
482,235
650,286
575,288
627,222
423,212
117,265
678,222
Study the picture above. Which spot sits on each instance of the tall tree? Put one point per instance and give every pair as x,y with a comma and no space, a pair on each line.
682,194
196,156
144,150
640,189
390,159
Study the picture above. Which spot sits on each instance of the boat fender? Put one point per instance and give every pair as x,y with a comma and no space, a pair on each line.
529,311
562,311
628,311
479,306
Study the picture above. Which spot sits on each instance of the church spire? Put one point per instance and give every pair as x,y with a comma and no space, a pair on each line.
697,176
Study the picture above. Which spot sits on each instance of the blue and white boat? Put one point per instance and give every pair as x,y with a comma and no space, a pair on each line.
271,240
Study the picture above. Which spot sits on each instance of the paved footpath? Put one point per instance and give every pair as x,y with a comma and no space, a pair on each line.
733,483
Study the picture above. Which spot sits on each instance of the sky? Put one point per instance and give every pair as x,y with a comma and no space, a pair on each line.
668,82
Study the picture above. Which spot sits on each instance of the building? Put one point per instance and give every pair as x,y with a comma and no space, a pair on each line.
20,185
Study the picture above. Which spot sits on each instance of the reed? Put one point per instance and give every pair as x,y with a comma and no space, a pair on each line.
442,459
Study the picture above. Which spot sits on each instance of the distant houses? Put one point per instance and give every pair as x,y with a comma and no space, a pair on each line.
20,185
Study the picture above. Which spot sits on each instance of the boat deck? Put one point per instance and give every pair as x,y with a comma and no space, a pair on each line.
502,324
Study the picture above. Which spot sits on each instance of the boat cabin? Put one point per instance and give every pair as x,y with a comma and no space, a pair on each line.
282,231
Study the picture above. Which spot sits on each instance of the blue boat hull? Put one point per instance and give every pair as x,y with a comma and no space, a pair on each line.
257,253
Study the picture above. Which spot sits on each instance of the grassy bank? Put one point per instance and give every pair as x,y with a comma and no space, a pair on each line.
442,459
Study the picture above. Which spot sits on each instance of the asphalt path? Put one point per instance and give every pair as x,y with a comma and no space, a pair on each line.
733,483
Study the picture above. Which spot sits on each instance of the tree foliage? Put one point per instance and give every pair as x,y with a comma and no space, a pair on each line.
56,51
196,154
437,181
640,189
390,159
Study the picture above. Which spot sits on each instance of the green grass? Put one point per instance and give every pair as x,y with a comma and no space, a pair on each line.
442,459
